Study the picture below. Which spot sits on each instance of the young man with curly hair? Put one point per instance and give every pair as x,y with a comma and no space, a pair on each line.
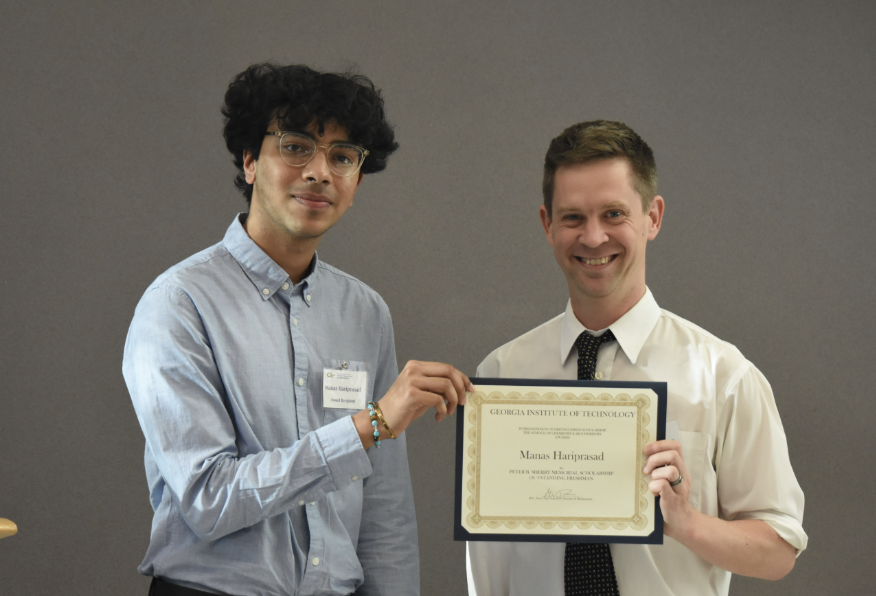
254,367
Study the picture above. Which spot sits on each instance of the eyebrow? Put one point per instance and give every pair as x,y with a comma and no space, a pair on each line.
606,206
298,132
314,139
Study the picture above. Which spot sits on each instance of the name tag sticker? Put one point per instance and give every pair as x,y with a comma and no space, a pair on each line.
346,389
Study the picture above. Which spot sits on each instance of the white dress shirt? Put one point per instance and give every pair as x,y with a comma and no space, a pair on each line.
732,439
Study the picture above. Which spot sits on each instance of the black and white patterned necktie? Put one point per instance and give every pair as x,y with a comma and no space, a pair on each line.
588,568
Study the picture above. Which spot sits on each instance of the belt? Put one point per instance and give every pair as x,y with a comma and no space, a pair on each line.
161,587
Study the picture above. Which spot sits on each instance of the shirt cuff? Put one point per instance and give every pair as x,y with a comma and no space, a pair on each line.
787,527
342,448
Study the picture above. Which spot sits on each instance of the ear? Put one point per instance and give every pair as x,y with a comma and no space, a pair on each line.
249,166
546,223
655,216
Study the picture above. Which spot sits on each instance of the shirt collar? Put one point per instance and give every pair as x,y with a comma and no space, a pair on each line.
631,330
263,272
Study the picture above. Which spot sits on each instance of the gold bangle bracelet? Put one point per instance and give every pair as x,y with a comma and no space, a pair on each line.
383,421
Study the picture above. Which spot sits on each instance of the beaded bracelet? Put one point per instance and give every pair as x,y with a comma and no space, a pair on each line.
373,415
383,421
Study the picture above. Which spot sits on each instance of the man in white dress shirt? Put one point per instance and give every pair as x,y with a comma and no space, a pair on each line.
738,507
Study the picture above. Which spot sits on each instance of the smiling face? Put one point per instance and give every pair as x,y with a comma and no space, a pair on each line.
599,234
296,204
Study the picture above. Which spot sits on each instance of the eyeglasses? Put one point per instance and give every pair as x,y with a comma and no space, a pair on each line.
344,159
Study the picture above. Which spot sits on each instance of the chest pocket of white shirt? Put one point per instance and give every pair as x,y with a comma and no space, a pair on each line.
332,414
695,447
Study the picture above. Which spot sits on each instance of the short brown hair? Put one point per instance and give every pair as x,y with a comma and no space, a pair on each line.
597,140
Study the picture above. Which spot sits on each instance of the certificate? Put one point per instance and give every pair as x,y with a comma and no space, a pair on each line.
558,461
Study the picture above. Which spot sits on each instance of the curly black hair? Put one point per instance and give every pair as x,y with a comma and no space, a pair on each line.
296,95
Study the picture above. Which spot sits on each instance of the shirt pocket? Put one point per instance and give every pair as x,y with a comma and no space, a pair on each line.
333,414
695,447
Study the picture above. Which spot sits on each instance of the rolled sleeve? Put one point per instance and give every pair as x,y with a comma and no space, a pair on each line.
754,473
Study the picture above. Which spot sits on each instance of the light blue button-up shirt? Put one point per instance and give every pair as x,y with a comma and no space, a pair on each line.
257,488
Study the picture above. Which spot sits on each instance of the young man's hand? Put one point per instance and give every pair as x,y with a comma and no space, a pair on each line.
419,387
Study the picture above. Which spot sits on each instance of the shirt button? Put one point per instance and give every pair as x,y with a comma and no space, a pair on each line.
300,382
315,561
307,297
266,291
355,478
285,286
313,502
295,322
301,502
598,376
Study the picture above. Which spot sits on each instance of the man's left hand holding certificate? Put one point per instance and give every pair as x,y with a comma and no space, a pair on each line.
558,461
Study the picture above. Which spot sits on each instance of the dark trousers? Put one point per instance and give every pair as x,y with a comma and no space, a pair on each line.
159,587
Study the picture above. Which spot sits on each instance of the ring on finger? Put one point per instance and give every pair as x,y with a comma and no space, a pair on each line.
677,482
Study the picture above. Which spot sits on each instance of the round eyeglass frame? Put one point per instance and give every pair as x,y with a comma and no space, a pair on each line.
281,133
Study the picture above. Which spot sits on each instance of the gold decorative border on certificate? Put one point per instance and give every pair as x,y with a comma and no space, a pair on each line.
474,519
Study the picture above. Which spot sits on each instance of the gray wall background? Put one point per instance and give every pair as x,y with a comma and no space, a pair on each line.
761,115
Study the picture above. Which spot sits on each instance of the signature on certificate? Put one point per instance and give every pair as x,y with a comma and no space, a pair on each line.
565,493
